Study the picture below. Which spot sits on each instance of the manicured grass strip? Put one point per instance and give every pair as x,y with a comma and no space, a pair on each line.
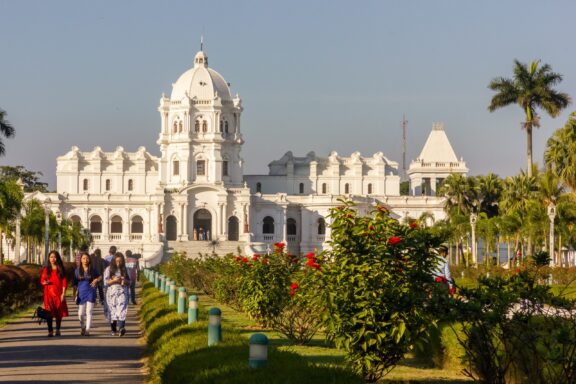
178,352
22,312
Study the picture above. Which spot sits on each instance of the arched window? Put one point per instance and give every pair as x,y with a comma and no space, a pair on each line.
75,220
346,188
85,184
301,188
197,126
291,226
259,187
175,167
107,184
175,127
204,126
95,224
321,226
221,129
225,168
137,225
324,189
201,167
180,126
226,127
130,184
116,224
268,225
370,188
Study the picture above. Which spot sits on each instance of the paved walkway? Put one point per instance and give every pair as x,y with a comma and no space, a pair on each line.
27,355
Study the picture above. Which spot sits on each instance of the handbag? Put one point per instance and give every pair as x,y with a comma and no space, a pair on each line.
41,314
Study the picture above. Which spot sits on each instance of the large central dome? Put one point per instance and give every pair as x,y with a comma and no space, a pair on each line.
200,82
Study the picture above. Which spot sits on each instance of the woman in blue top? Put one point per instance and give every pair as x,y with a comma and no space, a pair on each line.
86,280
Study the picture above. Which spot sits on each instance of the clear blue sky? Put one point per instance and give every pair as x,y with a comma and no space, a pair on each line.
313,75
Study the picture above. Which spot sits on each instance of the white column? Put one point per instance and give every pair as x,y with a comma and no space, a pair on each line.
284,225
17,247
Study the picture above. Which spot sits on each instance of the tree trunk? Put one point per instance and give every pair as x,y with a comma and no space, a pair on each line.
529,147
1,248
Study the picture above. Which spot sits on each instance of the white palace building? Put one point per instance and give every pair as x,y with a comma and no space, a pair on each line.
195,196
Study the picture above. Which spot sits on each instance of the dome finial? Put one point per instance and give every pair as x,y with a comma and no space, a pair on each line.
201,42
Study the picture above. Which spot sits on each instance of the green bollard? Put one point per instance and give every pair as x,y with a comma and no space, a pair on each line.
172,294
214,326
192,309
167,288
181,300
258,355
162,283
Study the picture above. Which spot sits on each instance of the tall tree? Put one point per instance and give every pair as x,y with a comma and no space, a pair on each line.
6,130
560,153
30,179
531,88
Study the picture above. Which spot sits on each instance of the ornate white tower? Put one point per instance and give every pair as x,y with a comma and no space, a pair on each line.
200,140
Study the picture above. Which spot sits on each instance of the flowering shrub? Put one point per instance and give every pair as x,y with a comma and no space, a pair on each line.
378,287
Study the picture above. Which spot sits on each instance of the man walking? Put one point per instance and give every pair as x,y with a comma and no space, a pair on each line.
133,267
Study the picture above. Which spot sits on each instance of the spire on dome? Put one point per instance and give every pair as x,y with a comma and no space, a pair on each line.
201,42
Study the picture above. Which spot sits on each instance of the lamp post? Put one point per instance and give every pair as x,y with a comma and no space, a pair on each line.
59,221
18,239
46,228
473,220
552,216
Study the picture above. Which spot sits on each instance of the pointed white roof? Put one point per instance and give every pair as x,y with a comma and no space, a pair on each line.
437,148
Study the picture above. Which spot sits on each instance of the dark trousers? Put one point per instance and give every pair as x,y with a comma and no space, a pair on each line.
50,324
117,324
133,292
100,287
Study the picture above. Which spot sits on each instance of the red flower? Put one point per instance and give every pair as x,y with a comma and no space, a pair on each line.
244,259
394,240
265,261
371,227
292,293
310,255
294,286
312,264
237,258
255,257
518,270
414,225
280,246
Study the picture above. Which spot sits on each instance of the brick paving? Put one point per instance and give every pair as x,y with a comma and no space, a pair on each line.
27,355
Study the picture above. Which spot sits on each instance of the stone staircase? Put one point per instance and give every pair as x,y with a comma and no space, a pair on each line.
193,249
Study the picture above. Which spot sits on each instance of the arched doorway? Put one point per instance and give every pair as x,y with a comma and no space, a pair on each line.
171,228
233,227
202,225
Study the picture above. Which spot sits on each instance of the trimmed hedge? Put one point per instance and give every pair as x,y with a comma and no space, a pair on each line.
19,286
179,353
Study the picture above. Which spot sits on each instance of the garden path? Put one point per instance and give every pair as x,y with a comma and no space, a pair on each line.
27,355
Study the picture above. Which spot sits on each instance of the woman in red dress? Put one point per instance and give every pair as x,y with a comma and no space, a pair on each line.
54,281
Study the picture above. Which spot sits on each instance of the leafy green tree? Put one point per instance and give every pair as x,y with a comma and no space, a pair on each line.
30,179
560,153
6,130
531,88
378,287
10,202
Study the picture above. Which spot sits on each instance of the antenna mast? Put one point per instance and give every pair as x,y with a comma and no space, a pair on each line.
404,126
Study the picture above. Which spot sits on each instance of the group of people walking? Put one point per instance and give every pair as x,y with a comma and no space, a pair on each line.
112,278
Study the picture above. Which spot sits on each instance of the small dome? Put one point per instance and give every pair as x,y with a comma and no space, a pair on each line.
201,82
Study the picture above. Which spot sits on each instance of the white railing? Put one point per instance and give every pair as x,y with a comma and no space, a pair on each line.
268,237
115,236
135,236
321,238
291,238
96,236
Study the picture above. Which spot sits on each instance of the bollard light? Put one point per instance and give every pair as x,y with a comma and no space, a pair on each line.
172,293
192,309
181,300
157,280
162,283
258,355
168,282
214,326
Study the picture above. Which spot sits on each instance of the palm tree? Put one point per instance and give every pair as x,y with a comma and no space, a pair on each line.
560,154
6,130
531,88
